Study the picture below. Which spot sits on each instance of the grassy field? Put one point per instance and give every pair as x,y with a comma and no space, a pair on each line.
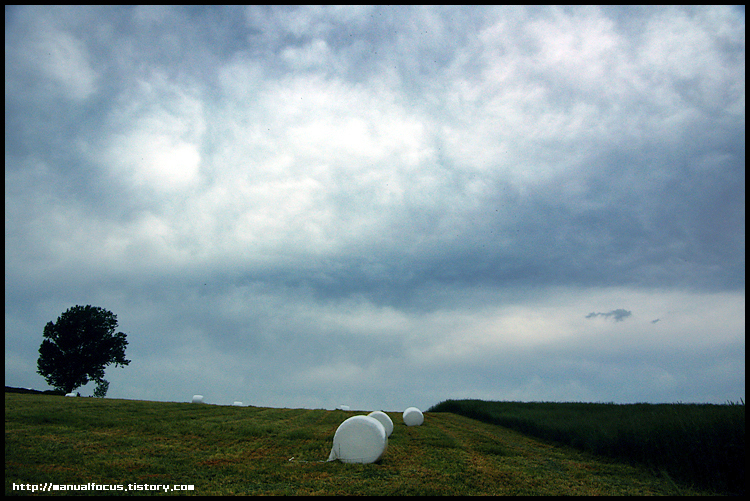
695,444
224,450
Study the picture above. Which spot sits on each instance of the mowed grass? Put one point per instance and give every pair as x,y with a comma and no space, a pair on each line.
225,450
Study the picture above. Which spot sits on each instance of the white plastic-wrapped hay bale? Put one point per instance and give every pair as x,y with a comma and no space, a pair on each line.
413,417
384,420
197,399
70,394
237,403
359,439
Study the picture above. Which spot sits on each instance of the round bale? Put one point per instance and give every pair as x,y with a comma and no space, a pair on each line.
359,439
384,420
413,417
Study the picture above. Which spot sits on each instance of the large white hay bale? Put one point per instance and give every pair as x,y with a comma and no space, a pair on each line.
413,417
197,399
71,394
237,403
359,439
384,420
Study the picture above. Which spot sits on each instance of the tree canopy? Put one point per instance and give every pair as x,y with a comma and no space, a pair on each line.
78,347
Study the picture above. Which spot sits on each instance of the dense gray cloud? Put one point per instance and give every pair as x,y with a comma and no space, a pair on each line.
307,206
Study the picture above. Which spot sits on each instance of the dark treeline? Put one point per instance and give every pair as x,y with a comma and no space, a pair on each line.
11,389
698,444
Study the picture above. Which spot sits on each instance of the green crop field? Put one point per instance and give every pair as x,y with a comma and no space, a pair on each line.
225,450
700,445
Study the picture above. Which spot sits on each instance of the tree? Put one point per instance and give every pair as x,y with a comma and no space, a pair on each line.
79,346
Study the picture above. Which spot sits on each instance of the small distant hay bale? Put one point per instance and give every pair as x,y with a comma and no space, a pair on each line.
343,407
237,403
72,394
384,420
197,399
413,417
359,439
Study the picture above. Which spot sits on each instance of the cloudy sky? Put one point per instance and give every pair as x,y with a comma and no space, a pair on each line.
382,207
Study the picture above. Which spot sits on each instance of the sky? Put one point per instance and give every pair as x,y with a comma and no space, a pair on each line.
382,207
